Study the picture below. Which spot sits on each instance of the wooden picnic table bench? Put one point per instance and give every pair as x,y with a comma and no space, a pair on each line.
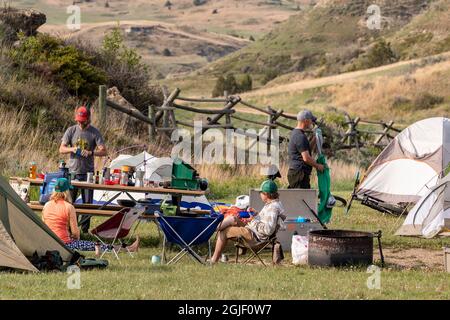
176,194
93,210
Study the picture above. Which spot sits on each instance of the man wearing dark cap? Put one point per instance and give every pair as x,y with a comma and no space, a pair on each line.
83,142
299,149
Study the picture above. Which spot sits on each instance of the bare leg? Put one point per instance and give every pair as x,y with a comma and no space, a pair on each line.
132,247
220,245
228,222
135,246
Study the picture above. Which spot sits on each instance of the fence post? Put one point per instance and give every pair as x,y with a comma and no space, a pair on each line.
385,133
102,104
152,127
269,129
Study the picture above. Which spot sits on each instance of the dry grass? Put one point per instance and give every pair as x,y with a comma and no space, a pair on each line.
227,182
377,98
21,144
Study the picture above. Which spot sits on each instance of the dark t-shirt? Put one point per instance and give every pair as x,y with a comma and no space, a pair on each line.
87,139
298,143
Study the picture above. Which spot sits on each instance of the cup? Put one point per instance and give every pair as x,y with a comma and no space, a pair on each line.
139,178
90,177
156,260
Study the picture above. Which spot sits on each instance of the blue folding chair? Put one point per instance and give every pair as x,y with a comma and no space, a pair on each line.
187,232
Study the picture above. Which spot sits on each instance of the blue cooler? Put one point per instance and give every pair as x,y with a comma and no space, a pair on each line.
49,185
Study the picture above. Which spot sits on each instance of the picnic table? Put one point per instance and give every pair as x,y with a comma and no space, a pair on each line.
106,209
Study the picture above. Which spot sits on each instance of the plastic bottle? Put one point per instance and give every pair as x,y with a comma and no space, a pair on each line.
124,179
63,169
101,179
116,176
32,170
301,219
107,174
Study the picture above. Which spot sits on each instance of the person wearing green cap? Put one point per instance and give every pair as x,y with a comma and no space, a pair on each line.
261,227
60,216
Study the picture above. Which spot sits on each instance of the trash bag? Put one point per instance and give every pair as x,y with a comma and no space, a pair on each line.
299,250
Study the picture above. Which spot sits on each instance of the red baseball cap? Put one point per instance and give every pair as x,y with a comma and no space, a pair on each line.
82,114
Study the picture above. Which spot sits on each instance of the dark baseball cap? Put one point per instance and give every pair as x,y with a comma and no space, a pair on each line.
306,115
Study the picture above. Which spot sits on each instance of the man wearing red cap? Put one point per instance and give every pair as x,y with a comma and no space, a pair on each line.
83,142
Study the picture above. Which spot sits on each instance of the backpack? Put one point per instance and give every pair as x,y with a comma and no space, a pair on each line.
49,262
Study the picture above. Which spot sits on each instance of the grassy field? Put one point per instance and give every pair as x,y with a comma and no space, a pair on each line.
137,278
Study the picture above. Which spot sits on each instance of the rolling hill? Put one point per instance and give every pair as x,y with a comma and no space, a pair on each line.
173,40
333,37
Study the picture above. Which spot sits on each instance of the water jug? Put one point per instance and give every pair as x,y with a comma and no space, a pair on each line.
139,178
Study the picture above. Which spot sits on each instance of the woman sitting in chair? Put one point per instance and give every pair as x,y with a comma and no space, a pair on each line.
261,227
60,216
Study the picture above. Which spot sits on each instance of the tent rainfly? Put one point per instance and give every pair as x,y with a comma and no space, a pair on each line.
431,214
22,233
410,165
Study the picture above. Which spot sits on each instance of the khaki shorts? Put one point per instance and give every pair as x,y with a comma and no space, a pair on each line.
234,232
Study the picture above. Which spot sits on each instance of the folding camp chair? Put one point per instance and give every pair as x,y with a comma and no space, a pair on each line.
117,228
187,232
242,244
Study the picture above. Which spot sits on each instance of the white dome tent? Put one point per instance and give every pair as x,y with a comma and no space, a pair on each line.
156,169
431,215
409,166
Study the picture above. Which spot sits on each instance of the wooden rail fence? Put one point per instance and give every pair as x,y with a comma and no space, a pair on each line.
352,133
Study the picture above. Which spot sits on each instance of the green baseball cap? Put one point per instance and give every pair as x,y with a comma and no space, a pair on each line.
269,186
62,185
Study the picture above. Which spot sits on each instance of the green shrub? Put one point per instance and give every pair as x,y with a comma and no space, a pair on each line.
378,55
246,83
231,85
125,70
114,49
167,52
427,101
168,4
219,88
423,101
199,2
65,64
269,75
